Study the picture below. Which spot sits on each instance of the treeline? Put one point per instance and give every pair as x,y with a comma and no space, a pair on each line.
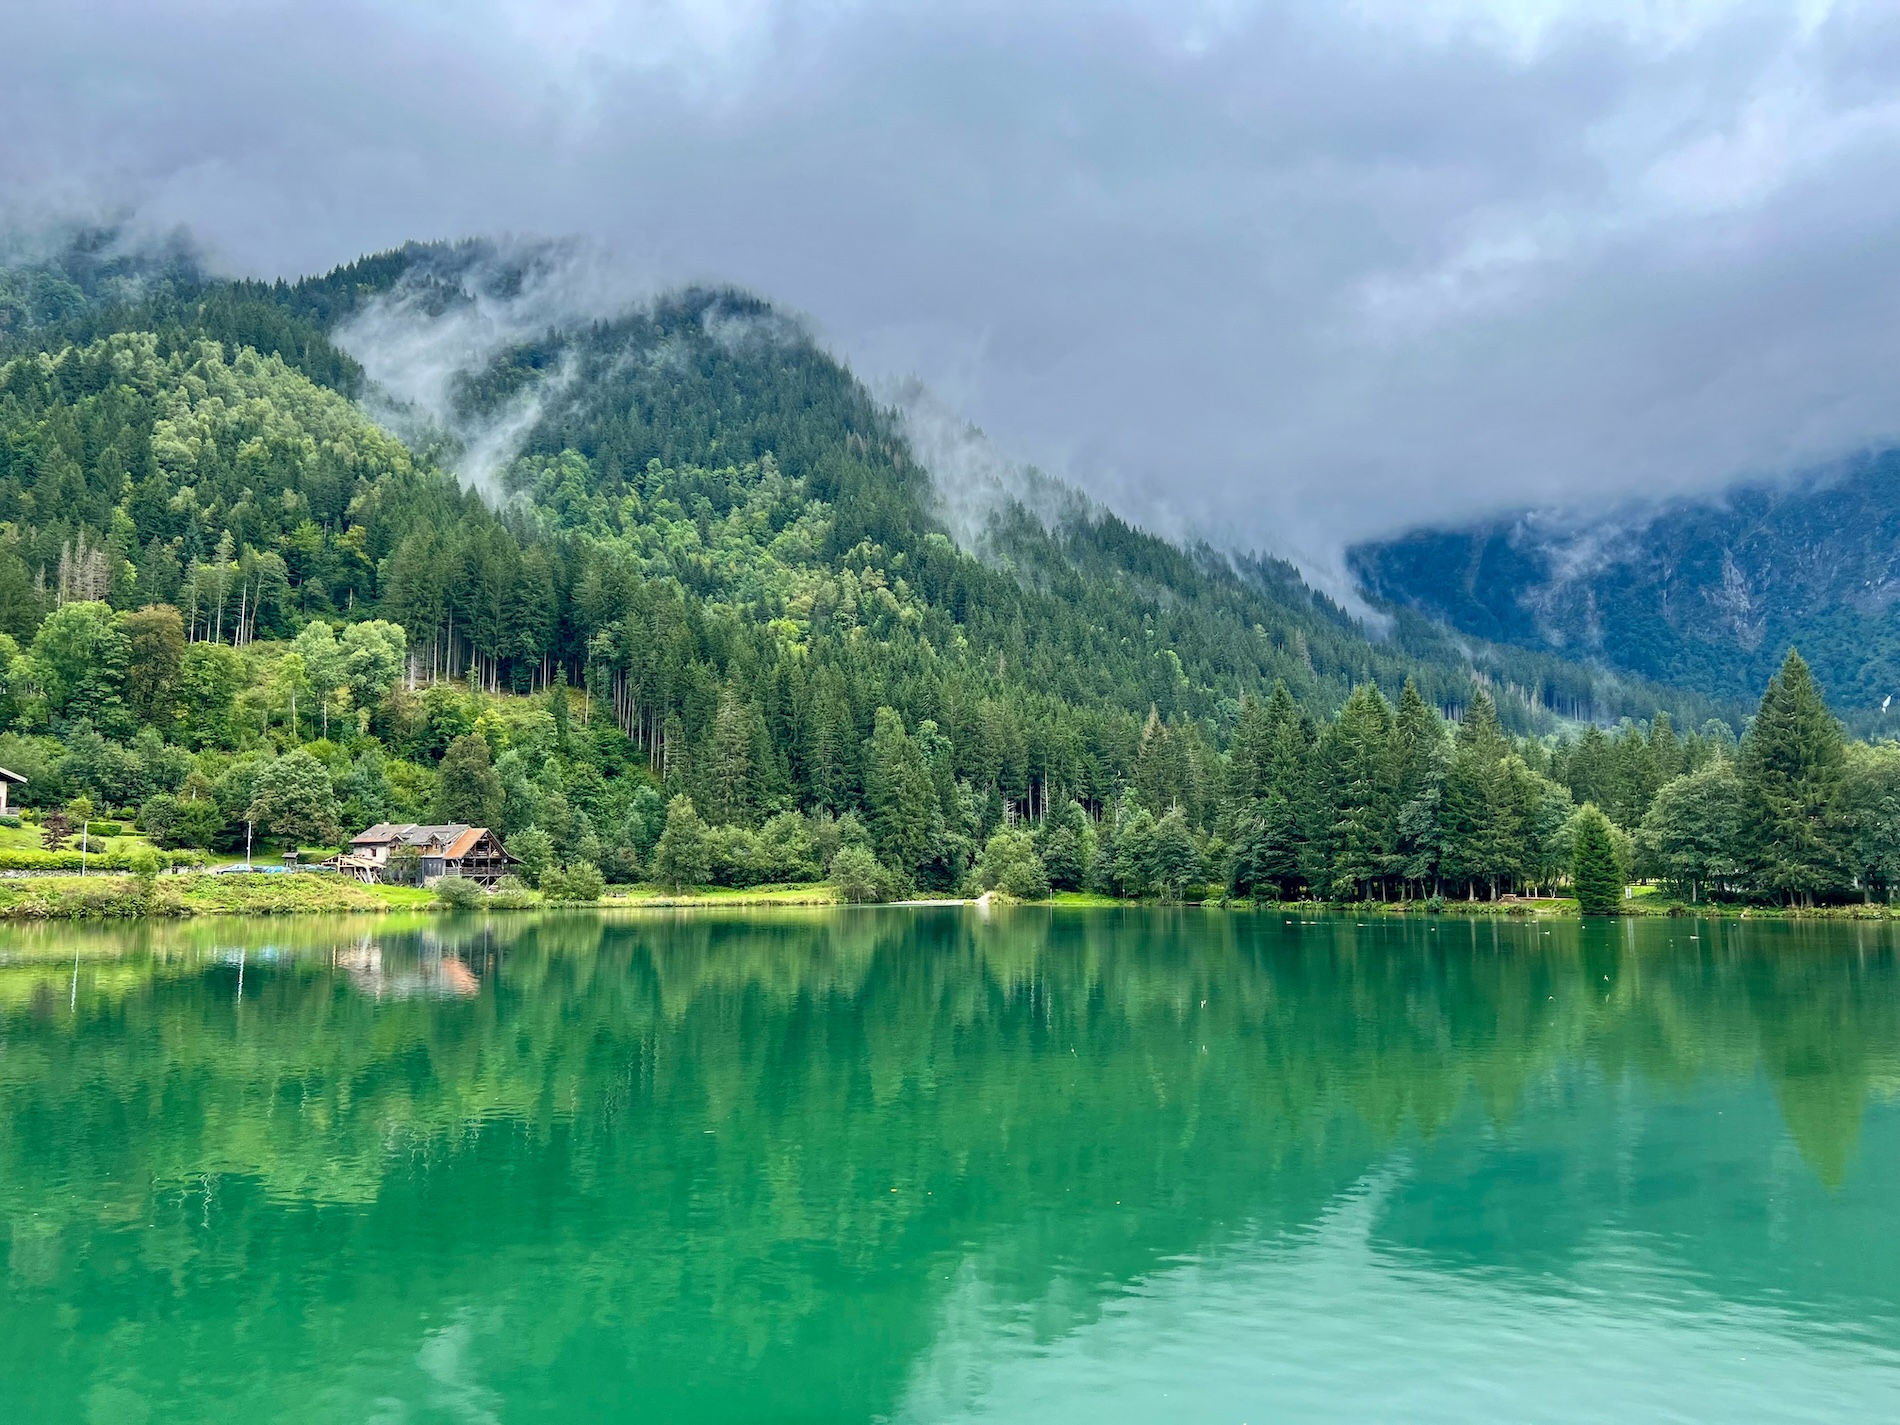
715,575
303,740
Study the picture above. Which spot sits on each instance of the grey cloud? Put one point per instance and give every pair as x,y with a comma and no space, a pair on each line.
1288,275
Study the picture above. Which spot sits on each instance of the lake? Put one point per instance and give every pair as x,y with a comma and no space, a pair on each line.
931,1165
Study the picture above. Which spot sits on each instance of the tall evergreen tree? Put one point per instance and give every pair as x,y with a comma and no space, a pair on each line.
1268,829
1356,759
1793,840
905,820
1418,774
1594,871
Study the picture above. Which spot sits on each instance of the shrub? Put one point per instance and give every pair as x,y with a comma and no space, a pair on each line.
579,881
858,875
106,828
459,893
585,882
788,854
173,823
734,857
1009,863
512,893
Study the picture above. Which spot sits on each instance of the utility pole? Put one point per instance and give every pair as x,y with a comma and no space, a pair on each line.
247,844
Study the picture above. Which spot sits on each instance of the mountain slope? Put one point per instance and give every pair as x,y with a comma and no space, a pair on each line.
686,508
1707,594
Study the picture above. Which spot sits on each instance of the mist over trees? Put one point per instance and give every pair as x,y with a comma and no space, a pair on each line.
714,632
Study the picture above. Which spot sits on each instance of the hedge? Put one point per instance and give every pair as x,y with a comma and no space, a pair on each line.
25,859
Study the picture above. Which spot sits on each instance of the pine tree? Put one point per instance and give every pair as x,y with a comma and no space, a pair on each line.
1267,831
1589,768
727,770
1593,869
1418,774
905,818
1468,819
1250,756
1793,840
1356,753
1161,772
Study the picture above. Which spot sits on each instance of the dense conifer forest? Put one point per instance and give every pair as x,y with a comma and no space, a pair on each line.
707,624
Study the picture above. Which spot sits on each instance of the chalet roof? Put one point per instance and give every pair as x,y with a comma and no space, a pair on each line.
10,775
409,833
382,831
466,842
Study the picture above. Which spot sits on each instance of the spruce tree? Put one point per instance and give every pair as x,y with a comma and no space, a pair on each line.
1418,774
1593,869
905,820
1468,816
1356,751
1793,840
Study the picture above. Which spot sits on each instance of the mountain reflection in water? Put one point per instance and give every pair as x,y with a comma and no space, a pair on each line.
920,1164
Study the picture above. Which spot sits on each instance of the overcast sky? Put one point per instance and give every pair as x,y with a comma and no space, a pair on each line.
1290,274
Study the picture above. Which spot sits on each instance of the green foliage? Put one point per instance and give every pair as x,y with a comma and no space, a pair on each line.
577,881
294,801
1064,857
1793,839
723,585
683,856
1692,832
534,848
1594,871
859,876
1870,798
468,791
459,893
199,822
1009,863
78,662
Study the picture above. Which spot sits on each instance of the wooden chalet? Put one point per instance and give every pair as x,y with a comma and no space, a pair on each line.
473,852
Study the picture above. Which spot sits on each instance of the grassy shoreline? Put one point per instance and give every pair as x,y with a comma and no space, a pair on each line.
126,897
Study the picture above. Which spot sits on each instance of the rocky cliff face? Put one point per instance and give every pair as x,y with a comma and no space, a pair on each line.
1705,593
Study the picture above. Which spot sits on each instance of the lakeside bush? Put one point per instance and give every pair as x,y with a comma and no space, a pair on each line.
459,893
579,882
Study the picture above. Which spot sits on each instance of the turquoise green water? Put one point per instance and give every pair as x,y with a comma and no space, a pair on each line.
926,1166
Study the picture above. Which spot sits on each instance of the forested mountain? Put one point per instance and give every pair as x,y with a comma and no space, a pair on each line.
703,566
1706,594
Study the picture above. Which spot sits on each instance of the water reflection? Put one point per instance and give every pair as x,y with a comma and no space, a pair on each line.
905,1162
